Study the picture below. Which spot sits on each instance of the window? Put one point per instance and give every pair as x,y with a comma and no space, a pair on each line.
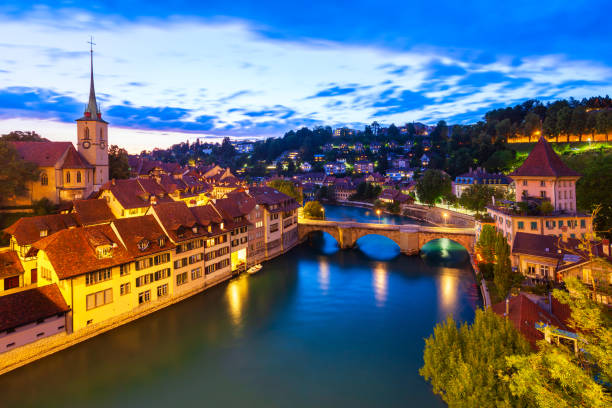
534,225
100,298
144,297
181,279
78,177
124,289
124,269
162,290
98,276
44,180
521,225
196,273
67,177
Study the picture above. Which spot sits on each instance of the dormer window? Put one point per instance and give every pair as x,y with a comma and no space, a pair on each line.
44,232
143,244
104,251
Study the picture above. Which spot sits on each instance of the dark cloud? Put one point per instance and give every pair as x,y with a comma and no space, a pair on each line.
334,91
279,111
405,101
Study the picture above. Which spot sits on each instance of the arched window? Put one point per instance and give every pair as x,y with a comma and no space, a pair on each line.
67,177
44,180
78,177
86,133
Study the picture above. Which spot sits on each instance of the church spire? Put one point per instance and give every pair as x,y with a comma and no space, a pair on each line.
92,110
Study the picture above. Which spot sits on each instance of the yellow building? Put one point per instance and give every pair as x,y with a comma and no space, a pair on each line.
104,271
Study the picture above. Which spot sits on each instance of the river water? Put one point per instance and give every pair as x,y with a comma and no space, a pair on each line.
317,327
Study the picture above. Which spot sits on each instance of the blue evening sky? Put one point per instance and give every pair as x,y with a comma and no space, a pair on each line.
172,70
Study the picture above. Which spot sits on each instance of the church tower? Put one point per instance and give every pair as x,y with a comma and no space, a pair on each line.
92,135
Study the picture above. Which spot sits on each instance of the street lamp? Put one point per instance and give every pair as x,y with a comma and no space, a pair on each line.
378,213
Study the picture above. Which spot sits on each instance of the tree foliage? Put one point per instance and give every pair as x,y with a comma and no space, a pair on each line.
556,377
477,196
463,364
118,165
287,187
433,186
15,173
314,210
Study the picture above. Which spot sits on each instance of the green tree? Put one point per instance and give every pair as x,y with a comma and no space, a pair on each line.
433,186
314,210
555,376
503,277
486,243
463,364
15,173
477,196
118,165
287,187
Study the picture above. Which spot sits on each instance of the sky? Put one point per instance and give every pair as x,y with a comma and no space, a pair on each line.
171,71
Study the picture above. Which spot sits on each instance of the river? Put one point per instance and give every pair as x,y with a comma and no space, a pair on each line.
317,327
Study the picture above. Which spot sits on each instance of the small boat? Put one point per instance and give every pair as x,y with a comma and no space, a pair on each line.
254,269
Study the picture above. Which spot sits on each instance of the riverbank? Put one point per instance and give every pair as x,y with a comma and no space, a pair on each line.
32,352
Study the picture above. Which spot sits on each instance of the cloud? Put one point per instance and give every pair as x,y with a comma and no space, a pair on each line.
405,101
334,91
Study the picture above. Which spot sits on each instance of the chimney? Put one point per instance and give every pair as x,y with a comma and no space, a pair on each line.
507,314
605,243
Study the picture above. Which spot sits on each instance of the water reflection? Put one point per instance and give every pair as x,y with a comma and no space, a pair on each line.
237,293
323,275
380,283
447,290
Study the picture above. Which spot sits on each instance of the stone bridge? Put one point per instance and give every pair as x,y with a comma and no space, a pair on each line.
410,238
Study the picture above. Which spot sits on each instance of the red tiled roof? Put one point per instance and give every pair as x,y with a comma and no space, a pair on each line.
90,212
136,229
10,264
74,160
44,154
28,306
72,252
27,230
544,162
524,314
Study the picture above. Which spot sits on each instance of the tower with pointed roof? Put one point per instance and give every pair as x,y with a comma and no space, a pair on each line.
92,135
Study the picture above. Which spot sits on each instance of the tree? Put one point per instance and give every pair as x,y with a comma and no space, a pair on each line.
486,243
477,196
118,165
314,210
287,187
503,277
463,364
555,376
19,136
15,173
433,186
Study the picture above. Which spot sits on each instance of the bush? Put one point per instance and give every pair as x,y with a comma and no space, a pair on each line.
486,269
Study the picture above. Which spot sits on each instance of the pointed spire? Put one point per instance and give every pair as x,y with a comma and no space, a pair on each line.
92,110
